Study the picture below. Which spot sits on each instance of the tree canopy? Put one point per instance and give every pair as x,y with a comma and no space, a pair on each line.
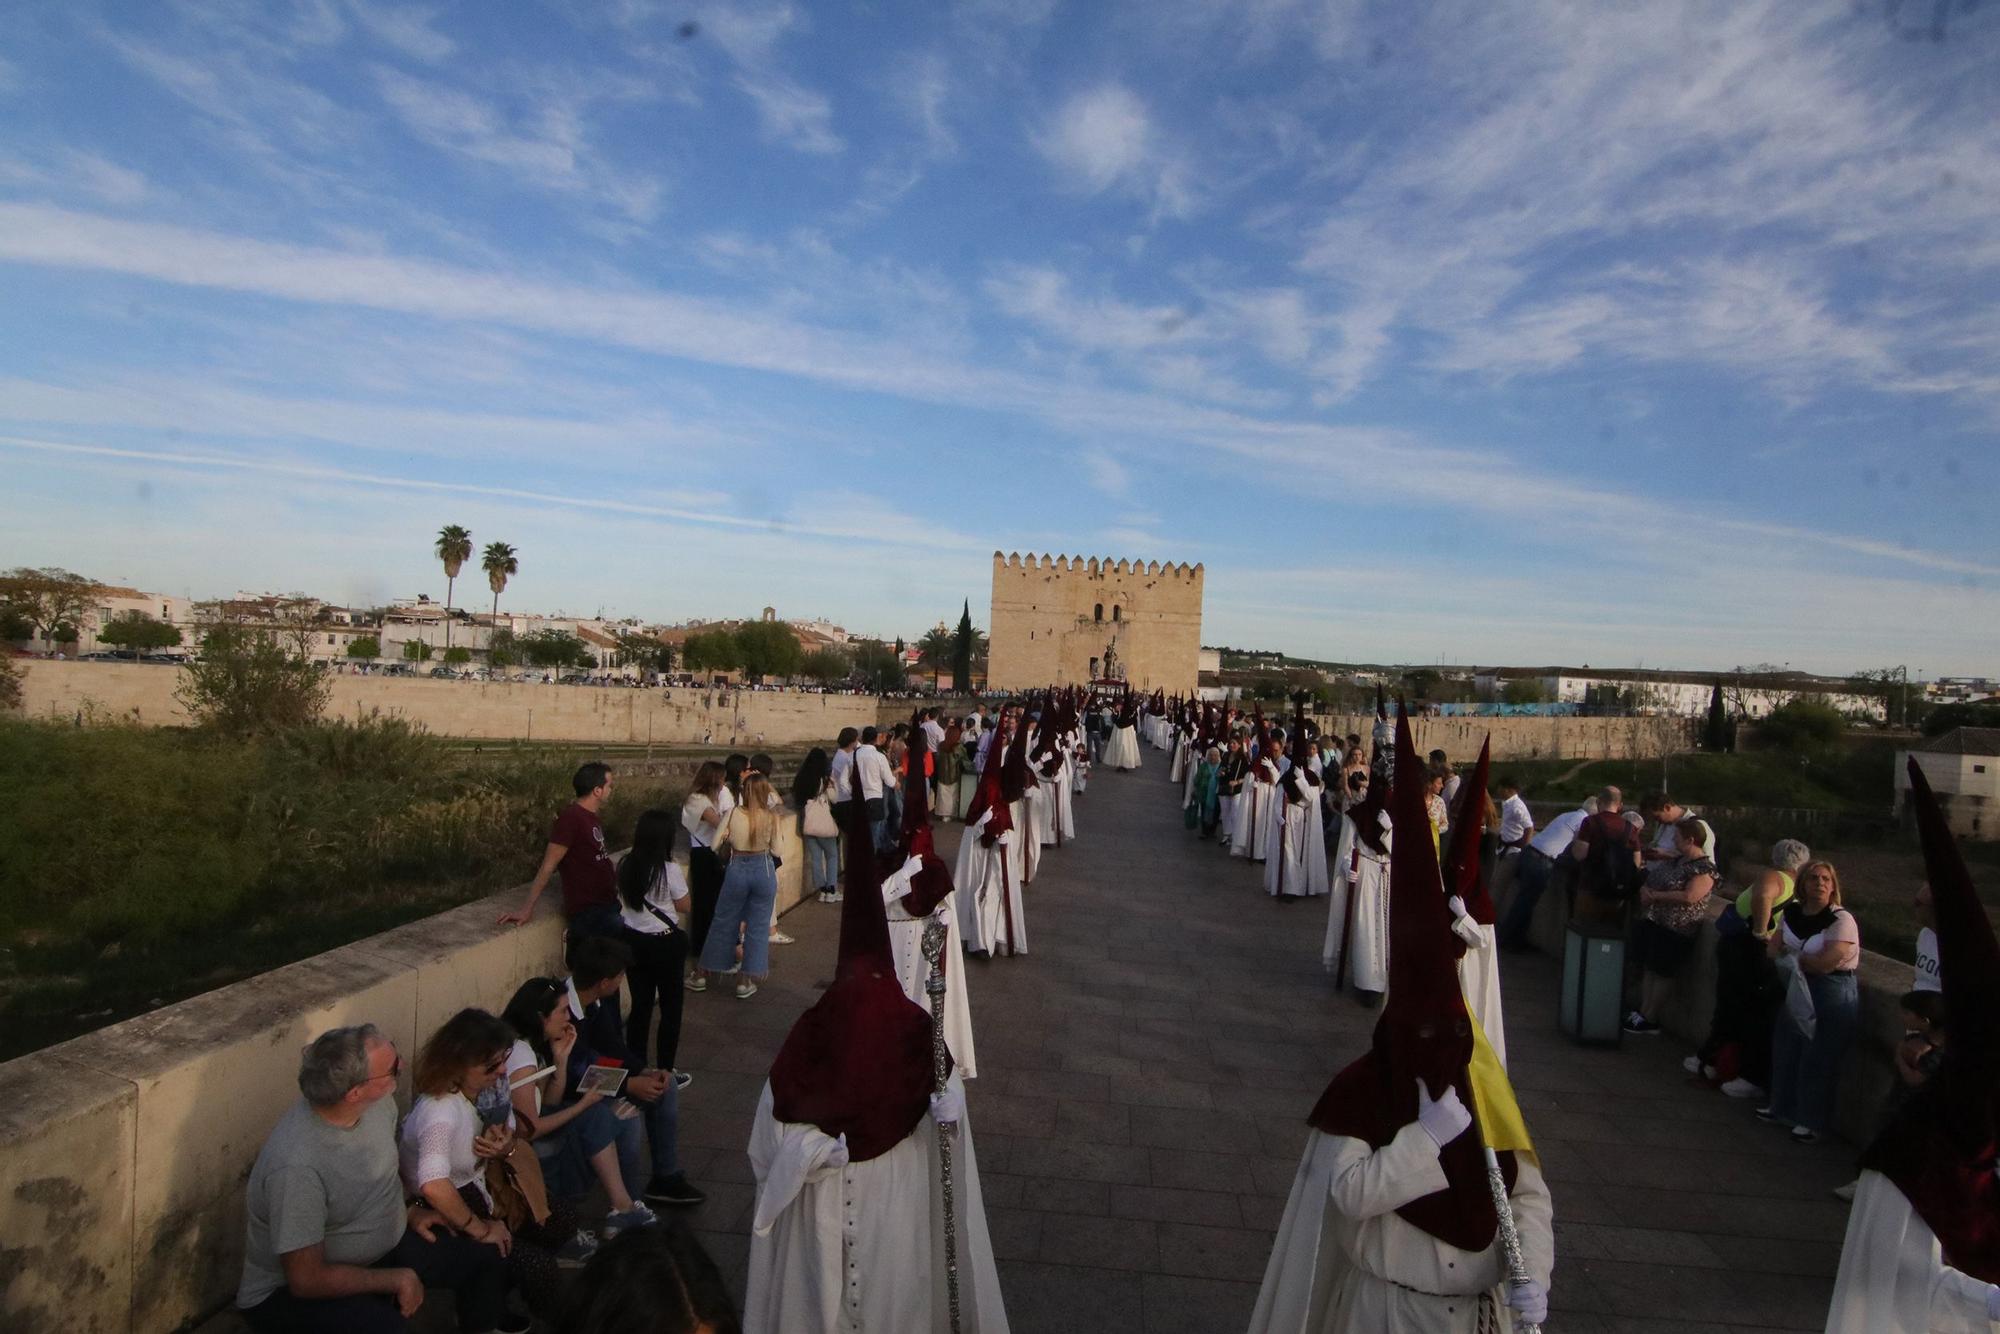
555,648
140,633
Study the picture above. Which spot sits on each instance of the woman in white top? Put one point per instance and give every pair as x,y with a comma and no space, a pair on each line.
1819,939
444,1146
544,1037
653,905
702,817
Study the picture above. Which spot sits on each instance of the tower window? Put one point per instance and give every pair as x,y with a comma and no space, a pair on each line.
1098,615
1115,614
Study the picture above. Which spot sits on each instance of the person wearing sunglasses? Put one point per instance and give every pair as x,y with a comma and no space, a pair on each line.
446,1144
330,1247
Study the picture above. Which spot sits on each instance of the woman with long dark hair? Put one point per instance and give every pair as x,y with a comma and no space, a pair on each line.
654,905
812,798
701,815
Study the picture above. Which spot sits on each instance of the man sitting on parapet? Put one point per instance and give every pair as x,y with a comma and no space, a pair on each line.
330,1246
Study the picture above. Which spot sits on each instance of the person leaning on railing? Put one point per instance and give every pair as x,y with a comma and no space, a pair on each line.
1737,1052
1818,945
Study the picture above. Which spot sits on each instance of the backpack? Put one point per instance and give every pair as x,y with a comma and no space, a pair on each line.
1609,872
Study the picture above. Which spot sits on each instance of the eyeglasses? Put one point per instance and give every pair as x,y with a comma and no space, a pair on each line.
393,1072
496,1065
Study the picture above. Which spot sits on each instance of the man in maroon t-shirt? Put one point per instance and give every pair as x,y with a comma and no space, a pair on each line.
576,846
1605,841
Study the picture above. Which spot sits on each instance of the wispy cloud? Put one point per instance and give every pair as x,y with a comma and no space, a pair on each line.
791,113
1103,139
407,29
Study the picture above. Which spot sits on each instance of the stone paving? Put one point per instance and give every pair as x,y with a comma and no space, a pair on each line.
1144,1076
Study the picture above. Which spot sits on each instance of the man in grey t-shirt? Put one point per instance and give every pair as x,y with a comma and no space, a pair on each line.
330,1246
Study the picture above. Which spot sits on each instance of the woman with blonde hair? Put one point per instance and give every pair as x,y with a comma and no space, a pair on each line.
749,889
1818,946
702,816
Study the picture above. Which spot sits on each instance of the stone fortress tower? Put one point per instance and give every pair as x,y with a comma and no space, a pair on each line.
1069,620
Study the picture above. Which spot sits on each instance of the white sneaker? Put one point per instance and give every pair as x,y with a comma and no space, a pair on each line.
1742,1088
1692,1065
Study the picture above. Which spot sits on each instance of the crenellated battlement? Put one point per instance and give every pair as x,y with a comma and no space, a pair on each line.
1093,566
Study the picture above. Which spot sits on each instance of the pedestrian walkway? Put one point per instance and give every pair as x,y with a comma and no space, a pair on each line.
1144,1077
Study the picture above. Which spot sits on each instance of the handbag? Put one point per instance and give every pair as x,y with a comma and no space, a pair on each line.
520,1194
817,821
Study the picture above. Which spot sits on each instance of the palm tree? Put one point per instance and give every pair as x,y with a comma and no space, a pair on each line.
498,560
936,646
454,548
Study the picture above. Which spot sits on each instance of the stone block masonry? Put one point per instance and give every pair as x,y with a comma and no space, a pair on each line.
494,710
1062,618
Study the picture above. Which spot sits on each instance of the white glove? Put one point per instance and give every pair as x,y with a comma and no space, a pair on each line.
1443,1119
1529,1300
943,913
837,1155
948,1107
1457,906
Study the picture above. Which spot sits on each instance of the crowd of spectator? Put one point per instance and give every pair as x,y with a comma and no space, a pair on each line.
1786,1004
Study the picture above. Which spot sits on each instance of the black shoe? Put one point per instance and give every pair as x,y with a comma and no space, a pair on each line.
676,1189
1639,1023
1368,1000
514,1323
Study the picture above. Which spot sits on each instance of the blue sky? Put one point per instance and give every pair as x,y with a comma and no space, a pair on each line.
1621,334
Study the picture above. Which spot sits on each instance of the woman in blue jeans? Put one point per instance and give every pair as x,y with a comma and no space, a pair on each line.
1824,941
749,890
812,798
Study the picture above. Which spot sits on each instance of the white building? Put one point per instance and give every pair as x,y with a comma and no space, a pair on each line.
1963,768
1686,694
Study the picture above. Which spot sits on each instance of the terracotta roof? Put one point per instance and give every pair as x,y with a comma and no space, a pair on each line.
1962,741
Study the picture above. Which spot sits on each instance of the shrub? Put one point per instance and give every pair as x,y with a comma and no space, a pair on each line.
10,684
251,681
1802,727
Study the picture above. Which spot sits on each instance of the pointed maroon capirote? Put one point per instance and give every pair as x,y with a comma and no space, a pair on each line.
1464,875
858,1063
932,884
1424,1032
1014,778
1939,1149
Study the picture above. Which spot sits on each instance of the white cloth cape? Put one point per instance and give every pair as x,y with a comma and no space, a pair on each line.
988,887
1359,873
1029,817
1250,810
1270,814
1059,823
1892,1279
1297,865
1122,750
1342,1250
1479,979
846,1250
906,940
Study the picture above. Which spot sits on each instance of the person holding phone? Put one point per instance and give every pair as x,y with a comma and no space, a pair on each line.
596,972
581,1130
445,1145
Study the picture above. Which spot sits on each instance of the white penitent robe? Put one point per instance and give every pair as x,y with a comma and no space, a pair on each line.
1252,809
1892,1278
987,901
1122,750
1344,1260
1178,770
860,1248
1030,817
1270,812
1297,865
1360,878
1059,823
1479,979
906,940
